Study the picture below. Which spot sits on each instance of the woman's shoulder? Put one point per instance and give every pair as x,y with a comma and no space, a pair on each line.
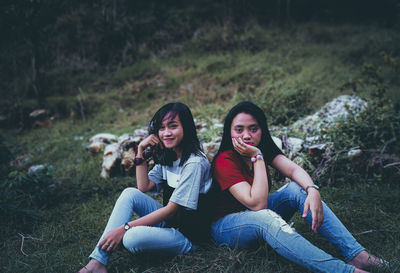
197,158
226,155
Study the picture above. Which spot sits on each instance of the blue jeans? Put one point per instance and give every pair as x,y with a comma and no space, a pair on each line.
248,229
150,239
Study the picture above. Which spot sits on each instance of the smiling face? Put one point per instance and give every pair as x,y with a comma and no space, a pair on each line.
246,126
171,133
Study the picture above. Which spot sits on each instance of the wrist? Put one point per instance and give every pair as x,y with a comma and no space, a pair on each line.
256,152
258,156
126,226
139,160
312,187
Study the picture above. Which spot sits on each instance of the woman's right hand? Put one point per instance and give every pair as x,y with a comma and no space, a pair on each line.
244,149
151,140
112,239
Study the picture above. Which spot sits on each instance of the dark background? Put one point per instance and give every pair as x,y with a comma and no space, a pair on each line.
44,43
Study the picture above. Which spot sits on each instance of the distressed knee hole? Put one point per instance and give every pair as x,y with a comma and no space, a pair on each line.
278,221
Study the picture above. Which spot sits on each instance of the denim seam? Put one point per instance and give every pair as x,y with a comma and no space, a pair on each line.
354,254
99,258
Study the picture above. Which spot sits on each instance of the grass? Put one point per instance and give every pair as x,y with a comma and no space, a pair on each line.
301,66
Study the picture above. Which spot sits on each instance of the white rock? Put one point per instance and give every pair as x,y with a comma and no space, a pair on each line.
123,138
189,86
335,110
217,139
95,146
295,144
104,137
128,159
313,139
353,153
218,125
200,124
36,168
211,149
141,132
110,159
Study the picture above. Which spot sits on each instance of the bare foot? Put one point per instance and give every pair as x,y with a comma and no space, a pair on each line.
366,261
93,266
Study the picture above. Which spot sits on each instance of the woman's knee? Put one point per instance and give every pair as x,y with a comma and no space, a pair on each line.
263,217
271,219
253,228
165,241
130,192
134,237
129,195
292,190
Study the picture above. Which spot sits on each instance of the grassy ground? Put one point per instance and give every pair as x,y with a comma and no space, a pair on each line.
289,71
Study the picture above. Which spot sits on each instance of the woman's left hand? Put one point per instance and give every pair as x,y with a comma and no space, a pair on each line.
244,149
112,239
313,202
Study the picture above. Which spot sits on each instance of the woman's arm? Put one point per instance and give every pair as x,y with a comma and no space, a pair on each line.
113,238
142,178
255,196
156,216
296,173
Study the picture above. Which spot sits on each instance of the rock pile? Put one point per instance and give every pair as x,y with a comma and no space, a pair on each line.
119,152
97,142
332,112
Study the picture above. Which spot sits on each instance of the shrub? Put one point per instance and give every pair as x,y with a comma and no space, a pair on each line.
283,107
22,193
376,131
5,157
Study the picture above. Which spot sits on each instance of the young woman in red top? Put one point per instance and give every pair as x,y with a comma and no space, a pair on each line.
246,214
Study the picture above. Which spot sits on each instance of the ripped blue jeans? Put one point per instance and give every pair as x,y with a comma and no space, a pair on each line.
247,229
150,239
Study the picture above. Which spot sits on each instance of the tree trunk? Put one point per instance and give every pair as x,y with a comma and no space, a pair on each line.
34,75
35,79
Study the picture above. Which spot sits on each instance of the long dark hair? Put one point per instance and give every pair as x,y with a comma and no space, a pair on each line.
190,142
251,109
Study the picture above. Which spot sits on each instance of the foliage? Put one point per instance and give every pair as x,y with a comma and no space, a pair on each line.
44,43
284,107
375,131
5,157
24,193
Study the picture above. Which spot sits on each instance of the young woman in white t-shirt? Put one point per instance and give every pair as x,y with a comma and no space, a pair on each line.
182,171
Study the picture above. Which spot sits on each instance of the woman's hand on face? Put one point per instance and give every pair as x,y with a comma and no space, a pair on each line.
313,202
244,149
151,140
112,239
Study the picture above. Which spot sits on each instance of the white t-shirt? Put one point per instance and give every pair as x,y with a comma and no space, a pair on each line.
189,180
